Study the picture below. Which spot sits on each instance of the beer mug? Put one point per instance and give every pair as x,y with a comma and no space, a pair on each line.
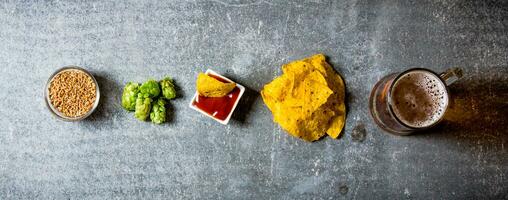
410,101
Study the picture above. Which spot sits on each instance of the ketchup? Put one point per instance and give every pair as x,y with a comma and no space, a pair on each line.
218,107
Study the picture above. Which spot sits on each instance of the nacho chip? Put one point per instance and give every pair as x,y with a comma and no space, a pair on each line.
210,87
307,100
337,123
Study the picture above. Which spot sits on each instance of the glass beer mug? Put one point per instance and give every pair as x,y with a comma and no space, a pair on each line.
413,100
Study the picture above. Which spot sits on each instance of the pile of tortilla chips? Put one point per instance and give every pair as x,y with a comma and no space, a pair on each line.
307,100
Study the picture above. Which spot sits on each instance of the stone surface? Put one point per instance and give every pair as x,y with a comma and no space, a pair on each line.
112,155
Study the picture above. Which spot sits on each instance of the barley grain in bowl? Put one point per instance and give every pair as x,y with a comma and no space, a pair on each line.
72,93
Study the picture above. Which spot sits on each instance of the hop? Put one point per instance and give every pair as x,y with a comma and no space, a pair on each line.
158,113
168,88
129,95
142,107
150,88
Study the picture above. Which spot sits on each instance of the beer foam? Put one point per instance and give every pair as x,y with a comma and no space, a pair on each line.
419,98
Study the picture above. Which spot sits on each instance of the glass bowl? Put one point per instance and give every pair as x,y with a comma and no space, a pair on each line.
55,111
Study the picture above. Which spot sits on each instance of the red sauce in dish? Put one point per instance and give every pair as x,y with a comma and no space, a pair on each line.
218,107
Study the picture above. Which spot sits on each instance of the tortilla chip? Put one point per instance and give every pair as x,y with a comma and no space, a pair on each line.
337,124
210,87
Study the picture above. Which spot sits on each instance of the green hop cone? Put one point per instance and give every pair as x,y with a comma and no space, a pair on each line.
129,95
158,113
168,88
142,107
150,88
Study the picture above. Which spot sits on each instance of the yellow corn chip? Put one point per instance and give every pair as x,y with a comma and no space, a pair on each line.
210,87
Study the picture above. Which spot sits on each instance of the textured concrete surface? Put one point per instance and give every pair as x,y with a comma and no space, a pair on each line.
112,155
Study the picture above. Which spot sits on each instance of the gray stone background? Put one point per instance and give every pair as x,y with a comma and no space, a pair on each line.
111,155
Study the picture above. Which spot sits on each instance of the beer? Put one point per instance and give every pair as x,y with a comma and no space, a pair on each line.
419,98
412,100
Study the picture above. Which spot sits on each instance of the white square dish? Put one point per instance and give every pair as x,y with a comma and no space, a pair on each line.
225,121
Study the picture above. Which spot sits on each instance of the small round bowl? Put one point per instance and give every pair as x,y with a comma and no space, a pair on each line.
58,113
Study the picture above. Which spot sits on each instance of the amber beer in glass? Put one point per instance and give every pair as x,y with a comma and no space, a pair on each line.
413,100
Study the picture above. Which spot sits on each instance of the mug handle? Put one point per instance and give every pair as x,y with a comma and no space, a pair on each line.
451,75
